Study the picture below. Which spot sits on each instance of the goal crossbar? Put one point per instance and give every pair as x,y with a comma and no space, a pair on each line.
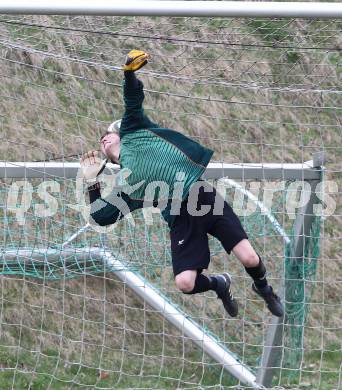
250,171
174,8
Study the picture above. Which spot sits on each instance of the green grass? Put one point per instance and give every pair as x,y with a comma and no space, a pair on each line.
271,31
321,370
39,370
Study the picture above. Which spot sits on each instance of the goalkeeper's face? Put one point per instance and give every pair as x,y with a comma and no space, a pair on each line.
110,146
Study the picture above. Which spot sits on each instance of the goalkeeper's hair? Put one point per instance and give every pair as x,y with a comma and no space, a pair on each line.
112,128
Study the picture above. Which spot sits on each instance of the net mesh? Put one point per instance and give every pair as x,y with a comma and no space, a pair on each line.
144,242
252,90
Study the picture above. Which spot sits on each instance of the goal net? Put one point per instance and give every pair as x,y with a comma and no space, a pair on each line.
258,92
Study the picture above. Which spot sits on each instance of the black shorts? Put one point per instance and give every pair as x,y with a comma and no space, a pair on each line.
189,233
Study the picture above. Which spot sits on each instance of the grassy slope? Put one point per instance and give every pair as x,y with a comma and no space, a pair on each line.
52,107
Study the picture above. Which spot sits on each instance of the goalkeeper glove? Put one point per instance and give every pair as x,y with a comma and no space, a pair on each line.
135,60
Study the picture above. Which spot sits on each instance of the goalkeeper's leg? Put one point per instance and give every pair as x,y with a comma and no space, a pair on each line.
228,229
257,271
194,282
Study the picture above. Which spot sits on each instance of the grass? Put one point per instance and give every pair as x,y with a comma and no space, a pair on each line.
321,369
271,31
41,370
260,105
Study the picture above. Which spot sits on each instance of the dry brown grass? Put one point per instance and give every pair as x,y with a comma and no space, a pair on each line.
56,106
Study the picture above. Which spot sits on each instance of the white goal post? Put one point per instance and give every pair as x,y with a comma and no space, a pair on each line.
175,8
215,170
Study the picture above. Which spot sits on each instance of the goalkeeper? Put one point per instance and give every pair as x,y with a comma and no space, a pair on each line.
154,154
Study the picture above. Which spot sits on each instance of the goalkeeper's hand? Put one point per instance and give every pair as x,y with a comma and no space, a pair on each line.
135,60
91,166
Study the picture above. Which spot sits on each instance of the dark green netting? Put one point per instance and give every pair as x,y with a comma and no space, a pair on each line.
298,275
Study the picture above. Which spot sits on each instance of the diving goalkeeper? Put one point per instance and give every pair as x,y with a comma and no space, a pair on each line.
158,155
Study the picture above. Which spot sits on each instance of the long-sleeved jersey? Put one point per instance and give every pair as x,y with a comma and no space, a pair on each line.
161,161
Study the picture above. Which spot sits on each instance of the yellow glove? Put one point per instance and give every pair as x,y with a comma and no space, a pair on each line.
135,60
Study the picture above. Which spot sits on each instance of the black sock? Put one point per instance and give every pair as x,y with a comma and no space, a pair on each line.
203,283
94,192
258,274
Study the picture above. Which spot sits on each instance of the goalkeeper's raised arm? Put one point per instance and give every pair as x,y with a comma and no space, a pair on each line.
133,94
108,211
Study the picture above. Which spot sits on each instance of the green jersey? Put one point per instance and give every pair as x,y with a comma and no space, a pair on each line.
163,163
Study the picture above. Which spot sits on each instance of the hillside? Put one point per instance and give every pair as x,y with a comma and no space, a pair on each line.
253,91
